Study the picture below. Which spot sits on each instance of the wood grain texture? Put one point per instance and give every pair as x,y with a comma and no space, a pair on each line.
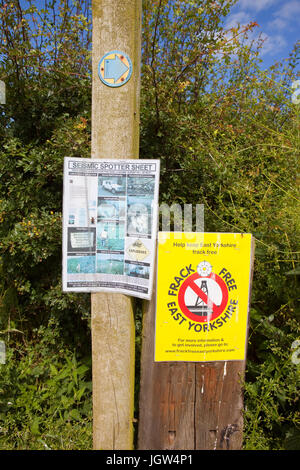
189,405
115,111
113,371
115,134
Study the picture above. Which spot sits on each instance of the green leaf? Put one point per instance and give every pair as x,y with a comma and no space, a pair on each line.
74,413
34,427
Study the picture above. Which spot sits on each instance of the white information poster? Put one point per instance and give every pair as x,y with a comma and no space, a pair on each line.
110,215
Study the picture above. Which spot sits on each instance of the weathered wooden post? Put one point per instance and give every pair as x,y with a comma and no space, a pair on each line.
115,134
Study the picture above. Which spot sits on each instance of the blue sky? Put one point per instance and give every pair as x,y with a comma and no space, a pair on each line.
279,24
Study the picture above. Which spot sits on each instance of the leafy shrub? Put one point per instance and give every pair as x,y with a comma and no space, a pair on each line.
45,395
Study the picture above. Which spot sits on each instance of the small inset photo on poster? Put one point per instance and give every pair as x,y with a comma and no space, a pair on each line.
139,185
81,217
137,249
81,239
110,263
138,270
111,208
111,185
81,264
110,235
139,216
82,196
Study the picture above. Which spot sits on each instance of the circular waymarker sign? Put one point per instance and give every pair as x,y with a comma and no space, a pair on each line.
115,69
203,298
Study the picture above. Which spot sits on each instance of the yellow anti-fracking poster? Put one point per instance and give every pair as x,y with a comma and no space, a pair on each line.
203,285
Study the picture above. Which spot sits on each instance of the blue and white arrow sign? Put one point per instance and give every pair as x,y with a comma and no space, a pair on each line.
115,69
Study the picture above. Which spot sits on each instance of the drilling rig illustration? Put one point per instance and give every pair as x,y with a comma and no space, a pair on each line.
200,308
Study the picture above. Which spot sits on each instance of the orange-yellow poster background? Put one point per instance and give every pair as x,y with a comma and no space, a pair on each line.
203,283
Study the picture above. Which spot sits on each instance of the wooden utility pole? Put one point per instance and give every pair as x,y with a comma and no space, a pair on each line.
189,405
115,134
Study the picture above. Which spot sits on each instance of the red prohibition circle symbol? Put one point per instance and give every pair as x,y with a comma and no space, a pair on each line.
209,309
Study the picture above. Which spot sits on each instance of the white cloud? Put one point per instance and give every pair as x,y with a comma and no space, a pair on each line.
277,18
277,24
272,44
285,16
234,19
289,10
256,5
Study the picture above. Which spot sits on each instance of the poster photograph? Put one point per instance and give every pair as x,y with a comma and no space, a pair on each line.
110,225
202,296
